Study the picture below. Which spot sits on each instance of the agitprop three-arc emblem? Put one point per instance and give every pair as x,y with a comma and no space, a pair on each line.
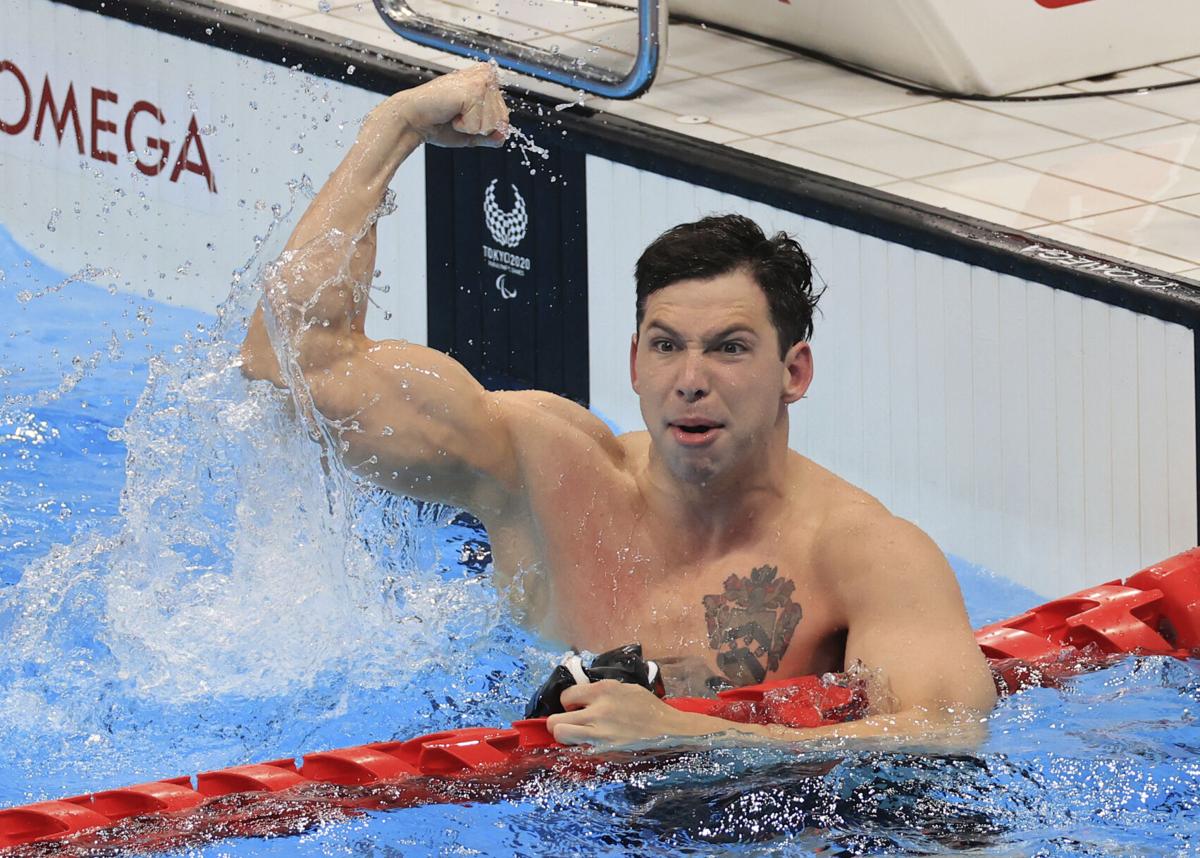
507,228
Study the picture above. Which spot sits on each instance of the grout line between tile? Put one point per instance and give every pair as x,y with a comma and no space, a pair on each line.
1112,141
1067,222
775,95
826,155
969,151
964,192
983,106
759,66
1012,163
1041,221
1140,200
801,128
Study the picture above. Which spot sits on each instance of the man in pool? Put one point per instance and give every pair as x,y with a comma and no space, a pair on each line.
730,557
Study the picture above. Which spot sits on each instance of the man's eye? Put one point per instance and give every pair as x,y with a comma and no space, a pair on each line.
662,346
732,348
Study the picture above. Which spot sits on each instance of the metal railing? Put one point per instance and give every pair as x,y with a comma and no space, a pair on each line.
555,66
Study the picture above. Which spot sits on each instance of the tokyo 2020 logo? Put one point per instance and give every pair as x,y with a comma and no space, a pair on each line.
507,227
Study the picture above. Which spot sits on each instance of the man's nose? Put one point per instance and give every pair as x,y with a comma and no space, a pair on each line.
692,384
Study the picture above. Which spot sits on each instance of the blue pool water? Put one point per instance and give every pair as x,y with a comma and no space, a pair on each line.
182,587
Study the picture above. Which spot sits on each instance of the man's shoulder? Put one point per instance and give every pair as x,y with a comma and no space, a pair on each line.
839,502
543,423
857,534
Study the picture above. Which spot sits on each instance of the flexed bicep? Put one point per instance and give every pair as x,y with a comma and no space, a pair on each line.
417,422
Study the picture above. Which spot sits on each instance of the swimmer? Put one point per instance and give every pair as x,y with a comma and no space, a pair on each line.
730,557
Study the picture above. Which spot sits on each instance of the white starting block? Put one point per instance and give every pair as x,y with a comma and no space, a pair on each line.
988,47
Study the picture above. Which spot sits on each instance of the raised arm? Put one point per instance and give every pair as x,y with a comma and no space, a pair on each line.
409,417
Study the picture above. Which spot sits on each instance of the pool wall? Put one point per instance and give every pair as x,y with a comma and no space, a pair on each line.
1033,407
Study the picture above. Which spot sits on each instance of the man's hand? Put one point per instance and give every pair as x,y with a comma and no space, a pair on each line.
617,713
465,108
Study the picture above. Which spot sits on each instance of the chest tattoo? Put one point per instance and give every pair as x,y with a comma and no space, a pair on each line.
751,624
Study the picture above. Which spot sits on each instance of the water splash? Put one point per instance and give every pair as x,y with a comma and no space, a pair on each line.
523,143
89,273
579,101
250,600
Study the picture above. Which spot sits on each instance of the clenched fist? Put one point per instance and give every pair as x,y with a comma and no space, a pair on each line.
465,108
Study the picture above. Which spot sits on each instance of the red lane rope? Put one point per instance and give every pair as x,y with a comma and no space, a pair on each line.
1154,612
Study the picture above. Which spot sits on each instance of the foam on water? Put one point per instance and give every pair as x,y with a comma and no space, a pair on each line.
244,585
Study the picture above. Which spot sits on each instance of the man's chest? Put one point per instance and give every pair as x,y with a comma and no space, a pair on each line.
749,615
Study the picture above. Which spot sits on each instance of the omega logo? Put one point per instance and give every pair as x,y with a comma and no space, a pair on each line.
48,113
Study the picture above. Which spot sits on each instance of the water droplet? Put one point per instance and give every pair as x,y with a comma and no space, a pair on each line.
349,69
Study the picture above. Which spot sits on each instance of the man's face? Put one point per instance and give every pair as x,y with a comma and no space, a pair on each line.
705,364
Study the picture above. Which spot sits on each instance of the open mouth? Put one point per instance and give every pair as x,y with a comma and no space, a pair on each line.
692,433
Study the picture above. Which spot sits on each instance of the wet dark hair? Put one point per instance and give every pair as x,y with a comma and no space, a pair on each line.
721,244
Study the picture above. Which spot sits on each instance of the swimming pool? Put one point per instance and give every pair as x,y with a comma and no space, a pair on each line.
183,588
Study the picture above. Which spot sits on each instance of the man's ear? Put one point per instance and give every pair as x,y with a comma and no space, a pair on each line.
797,372
633,346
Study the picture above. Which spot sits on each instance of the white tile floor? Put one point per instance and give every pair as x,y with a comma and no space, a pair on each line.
1119,175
